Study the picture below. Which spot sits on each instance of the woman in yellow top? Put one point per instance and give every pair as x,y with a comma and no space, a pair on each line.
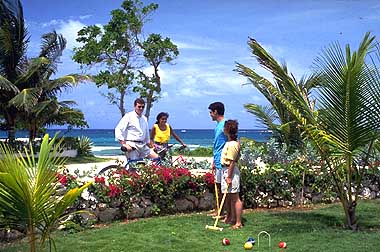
162,131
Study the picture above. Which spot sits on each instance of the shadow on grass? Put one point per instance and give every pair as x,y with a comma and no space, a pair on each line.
330,217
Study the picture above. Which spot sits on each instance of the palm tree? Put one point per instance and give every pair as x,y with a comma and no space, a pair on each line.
25,83
347,119
28,191
277,117
38,102
13,43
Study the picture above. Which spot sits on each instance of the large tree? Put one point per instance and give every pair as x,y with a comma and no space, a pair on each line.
347,119
120,50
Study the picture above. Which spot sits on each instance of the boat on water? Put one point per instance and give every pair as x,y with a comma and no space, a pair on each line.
183,131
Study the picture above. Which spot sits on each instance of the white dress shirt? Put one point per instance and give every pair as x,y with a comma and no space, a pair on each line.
132,127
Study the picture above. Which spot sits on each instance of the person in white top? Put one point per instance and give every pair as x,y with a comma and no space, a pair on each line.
132,132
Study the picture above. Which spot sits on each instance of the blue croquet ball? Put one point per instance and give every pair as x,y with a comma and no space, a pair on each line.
251,240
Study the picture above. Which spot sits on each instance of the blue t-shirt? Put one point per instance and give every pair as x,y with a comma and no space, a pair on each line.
219,140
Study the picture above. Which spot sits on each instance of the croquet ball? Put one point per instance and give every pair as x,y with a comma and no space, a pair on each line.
225,241
248,245
282,244
251,240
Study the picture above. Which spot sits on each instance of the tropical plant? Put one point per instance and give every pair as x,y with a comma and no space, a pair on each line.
276,117
84,146
28,191
347,119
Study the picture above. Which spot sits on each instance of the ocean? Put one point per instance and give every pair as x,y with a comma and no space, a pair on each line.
104,141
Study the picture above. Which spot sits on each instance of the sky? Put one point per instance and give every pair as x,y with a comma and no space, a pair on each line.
212,37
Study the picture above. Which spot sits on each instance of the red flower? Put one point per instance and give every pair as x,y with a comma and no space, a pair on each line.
165,174
209,178
114,191
100,180
179,172
62,178
192,185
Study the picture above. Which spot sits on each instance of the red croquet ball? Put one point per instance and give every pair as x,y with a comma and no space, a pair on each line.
282,244
225,241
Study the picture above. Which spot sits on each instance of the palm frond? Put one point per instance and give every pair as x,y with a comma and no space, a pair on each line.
265,114
349,94
26,99
6,85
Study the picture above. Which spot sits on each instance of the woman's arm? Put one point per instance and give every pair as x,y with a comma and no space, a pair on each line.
152,135
230,172
176,136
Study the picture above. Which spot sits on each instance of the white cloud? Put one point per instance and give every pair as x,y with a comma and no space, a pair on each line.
84,17
185,45
53,22
70,29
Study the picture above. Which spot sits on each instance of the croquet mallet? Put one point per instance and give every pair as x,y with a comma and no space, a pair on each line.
214,227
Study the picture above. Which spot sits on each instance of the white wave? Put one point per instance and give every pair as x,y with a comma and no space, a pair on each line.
101,148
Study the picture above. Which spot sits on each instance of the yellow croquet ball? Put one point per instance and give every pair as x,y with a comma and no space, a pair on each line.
248,245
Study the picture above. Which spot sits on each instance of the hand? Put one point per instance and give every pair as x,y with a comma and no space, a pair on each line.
129,148
229,181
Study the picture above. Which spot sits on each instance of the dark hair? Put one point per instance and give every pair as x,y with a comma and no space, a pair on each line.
218,106
231,127
160,115
139,101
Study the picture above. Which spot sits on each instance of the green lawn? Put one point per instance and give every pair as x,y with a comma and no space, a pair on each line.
303,230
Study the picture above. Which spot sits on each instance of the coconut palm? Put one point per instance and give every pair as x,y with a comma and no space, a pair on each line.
347,119
38,103
28,191
13,43
277,117
25,84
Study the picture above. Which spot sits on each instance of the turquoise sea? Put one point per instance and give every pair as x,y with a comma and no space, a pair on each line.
104,141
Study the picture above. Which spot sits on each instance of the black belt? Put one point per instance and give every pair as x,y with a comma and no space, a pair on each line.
160,143
135,141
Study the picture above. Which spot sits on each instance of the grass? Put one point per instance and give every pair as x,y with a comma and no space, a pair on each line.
319,229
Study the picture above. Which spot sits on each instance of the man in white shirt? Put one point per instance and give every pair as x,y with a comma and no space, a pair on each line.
132,132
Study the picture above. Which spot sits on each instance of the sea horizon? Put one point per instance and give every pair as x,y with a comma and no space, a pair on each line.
104,142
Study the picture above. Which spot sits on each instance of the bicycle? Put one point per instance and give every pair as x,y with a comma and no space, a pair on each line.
179,160
132,165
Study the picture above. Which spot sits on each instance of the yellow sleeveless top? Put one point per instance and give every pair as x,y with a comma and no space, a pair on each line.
162,136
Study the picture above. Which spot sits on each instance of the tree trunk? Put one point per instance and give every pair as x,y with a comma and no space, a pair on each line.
149,103
350,213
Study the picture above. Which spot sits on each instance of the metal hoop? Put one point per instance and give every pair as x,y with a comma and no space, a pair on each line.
258,238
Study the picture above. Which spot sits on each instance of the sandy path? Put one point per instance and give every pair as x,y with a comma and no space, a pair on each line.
94,168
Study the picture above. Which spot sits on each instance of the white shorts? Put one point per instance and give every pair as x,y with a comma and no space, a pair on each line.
141,150
218,175
235,186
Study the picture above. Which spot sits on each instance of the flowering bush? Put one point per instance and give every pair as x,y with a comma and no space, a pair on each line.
162,185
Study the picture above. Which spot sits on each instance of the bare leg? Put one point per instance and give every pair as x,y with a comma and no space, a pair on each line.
237,207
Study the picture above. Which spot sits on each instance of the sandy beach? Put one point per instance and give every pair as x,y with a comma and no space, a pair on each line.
94,168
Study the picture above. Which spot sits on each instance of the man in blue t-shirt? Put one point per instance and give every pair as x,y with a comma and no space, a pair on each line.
217,114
